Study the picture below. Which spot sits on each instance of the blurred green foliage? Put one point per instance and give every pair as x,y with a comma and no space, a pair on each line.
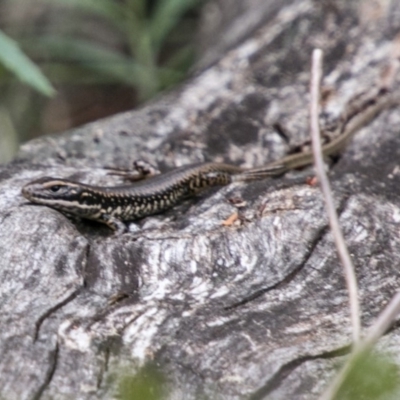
143,32
13,59
372,377
147,384
146,45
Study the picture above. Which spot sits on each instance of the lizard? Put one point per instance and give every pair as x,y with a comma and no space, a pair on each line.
114,205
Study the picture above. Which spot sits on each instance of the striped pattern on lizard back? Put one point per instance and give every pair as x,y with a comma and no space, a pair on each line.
112,205
164,191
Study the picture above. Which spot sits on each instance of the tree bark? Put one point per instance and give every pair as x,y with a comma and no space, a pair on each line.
253,310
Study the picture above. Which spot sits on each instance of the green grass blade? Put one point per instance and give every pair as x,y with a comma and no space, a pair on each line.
166,16
22,67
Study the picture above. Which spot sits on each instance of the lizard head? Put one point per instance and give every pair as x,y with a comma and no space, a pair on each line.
62,194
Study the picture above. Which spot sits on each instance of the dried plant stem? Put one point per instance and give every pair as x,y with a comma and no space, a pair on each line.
390,312
316,74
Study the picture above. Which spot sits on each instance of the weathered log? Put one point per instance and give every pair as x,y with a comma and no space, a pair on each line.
254,310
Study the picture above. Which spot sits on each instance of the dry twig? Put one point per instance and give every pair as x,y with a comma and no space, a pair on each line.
350,276
385,319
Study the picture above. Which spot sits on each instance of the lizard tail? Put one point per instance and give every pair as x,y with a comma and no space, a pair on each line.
260,173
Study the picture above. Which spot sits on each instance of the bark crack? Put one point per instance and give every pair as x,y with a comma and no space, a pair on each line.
62,303
287,279
53,360
276,380
53,309
291,276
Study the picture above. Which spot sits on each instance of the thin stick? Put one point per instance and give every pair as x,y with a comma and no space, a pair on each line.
392,309
316,74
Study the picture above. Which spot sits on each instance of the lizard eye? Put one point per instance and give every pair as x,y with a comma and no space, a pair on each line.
55,188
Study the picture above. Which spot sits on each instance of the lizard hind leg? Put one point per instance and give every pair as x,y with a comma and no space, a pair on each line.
141,170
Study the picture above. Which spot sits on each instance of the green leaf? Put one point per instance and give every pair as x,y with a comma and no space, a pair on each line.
166,16
22,67
372,377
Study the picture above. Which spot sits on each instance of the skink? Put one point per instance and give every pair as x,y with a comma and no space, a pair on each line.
114,205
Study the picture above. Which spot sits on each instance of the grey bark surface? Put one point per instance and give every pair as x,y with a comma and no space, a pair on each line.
255,310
